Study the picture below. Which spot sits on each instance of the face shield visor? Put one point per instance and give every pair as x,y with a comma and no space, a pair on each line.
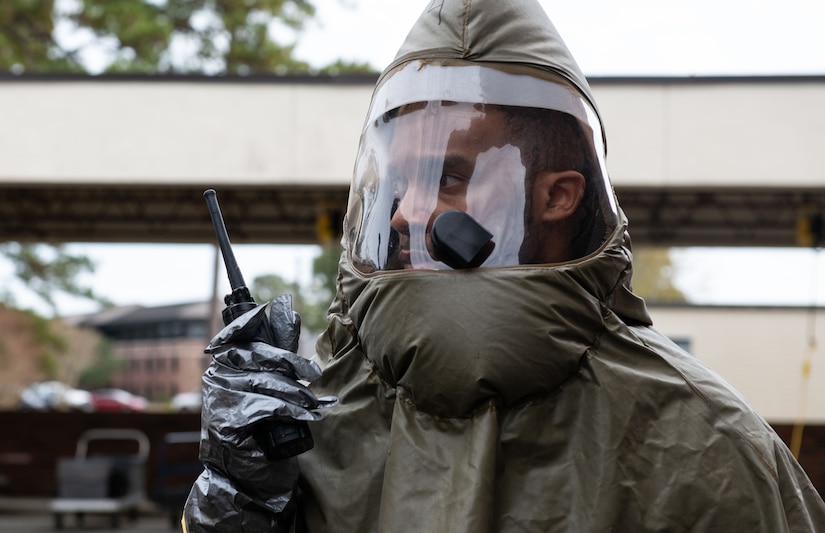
470,166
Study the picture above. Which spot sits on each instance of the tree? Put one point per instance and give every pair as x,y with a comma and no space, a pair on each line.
653,275
26,38
47,270
309,301
212,37
268,287
204,36
97,374
325,269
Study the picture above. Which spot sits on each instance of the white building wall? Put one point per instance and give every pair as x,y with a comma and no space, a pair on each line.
695,134
736,133
145,132
760,351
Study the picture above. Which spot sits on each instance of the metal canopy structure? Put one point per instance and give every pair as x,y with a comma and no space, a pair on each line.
695,162
169,214
684,217
166,213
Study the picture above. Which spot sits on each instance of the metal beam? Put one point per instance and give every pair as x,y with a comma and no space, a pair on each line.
698,216
285,215
718,217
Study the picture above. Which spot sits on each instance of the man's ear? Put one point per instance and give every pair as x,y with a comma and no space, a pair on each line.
557,195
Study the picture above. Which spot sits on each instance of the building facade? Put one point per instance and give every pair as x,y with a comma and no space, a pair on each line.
160,349
769,354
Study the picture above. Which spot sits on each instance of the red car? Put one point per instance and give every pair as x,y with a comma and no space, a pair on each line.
118,401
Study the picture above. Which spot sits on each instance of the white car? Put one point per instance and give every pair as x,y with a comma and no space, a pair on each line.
55,396
187,402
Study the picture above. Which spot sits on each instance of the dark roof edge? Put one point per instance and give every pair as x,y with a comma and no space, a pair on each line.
733,307
370,79
706,80
319,79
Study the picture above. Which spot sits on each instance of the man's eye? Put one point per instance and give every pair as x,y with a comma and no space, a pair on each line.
448,181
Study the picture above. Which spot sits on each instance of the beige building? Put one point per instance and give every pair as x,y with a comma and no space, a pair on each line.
161,348
762,351
160,368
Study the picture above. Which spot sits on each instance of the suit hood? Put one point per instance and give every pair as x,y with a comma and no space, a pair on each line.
514,33
516,38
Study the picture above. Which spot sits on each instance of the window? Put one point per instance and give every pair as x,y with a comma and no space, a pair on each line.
683,343
196,330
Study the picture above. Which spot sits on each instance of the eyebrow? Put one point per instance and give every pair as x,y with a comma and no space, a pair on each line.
450,161
455,160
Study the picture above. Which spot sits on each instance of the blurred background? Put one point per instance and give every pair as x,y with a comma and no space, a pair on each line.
116,116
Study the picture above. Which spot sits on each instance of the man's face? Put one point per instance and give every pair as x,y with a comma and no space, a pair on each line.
431,179
433,157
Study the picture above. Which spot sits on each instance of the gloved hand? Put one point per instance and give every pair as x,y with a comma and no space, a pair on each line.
248,390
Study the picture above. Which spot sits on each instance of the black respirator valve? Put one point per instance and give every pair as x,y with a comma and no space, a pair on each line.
460,241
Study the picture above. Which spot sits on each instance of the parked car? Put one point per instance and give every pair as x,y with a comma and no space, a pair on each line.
118,401
55,396
187,402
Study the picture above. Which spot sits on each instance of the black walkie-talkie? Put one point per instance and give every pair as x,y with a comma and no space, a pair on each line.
284,438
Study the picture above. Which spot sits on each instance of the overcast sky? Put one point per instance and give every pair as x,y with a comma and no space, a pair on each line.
607,37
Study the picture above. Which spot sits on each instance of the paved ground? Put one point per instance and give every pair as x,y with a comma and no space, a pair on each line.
42,522
33,516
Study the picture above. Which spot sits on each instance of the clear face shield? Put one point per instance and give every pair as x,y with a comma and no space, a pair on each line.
468,167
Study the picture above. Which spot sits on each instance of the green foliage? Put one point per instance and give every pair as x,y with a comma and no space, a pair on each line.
320,293
312,301
325,269
50,344
349,67
209,36
49,269
50,364
53,344
213,37
99,374
26,42
653,275
269,287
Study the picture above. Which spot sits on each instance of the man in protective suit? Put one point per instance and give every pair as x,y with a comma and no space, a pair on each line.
492,367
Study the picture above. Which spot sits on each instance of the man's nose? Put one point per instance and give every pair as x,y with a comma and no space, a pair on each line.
398,221
411,209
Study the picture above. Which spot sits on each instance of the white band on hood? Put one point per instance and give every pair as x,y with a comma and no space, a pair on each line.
474,83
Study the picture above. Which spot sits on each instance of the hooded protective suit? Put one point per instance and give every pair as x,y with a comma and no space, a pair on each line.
530,393
525,398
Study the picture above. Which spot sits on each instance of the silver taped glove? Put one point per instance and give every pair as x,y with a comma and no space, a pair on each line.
249,386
